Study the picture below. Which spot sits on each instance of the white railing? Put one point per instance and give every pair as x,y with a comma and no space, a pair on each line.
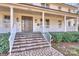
12,37
47,36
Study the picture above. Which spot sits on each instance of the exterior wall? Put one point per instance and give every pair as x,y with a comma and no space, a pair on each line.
3,27
55,6
53,27
38,4
63,8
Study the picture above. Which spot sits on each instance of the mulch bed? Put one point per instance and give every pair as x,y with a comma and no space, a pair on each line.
4,54
65,48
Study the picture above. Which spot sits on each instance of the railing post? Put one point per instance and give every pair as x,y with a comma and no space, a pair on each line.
65,23
77,24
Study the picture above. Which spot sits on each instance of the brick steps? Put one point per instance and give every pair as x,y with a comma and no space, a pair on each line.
22,50
30,46
28,41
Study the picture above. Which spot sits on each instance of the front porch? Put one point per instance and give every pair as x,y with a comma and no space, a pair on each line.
40,21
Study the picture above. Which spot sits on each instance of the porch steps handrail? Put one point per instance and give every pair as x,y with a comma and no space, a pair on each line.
12,37
47,36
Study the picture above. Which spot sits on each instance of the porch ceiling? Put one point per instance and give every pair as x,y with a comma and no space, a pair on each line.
16,10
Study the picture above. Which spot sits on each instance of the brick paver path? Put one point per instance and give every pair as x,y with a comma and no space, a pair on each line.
39,52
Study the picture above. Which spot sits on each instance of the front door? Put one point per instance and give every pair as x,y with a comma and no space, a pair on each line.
28,27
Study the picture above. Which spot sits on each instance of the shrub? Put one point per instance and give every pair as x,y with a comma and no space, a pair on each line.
66,36
4,43
58,37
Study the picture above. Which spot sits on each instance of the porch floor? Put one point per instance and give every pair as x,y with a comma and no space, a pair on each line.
32,44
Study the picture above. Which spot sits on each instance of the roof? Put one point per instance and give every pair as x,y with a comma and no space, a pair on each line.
46,8
66,5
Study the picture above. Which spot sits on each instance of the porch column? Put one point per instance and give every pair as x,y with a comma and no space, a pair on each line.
43,22
77,24
65,23
11,17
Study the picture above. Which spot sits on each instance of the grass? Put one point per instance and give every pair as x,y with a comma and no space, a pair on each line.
4,43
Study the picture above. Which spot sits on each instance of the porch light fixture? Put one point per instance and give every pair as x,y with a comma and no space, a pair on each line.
35,20
17,19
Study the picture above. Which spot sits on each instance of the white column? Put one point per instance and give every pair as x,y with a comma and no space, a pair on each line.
77,24
43,21
11,17
65,23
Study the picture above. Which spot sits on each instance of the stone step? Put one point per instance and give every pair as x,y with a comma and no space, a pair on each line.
29,45
19,43
28,48
27,40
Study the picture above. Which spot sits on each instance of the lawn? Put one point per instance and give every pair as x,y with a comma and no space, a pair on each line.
4,43
66,42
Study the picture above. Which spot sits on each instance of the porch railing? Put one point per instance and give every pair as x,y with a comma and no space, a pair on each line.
12,37
48,37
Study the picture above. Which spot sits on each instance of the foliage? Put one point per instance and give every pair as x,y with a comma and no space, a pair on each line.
65,36
4,42
57,37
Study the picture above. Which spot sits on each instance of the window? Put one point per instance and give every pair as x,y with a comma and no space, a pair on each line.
59,7
40,21
69,23
69,10
47,23
6,19
74,23
45,5
60,23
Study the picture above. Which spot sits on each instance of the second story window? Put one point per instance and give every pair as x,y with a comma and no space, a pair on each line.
69,10
59,7
45,5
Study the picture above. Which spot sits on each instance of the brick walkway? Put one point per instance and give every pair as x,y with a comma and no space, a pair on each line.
39,52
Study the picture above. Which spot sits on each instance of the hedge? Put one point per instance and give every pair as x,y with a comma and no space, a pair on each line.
4,43
65,36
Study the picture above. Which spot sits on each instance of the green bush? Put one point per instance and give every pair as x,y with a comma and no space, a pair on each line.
65,36
57,37
4,43
68,37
